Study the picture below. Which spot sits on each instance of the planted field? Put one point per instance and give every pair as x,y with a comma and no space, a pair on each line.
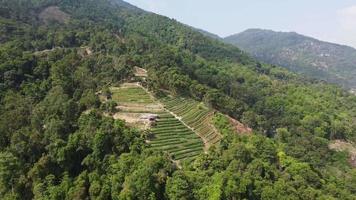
134,103
132,98
169,133
131,95
196,116
173,136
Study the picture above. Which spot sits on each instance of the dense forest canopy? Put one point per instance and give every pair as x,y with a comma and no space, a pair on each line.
55,143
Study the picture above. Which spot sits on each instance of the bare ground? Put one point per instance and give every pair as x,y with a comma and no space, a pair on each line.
139,108
133,119
140,72
240,127
339,145
53,13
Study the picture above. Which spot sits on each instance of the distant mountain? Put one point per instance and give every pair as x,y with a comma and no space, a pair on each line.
327,61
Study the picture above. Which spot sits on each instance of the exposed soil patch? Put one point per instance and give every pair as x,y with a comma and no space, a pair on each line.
140,72
46,51
85,51
128,85
134,119
339,145
240,127
82,51
53,13
140,108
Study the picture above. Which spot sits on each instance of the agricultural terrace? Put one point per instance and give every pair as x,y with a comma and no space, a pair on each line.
131,94
169,134
196,115
134,103
172,136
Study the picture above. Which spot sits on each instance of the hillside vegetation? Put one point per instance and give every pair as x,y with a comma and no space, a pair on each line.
322,60
59,140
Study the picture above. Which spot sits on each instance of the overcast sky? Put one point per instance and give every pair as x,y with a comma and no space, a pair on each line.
329,20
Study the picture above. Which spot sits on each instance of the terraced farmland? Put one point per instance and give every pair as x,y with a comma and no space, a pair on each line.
169,133
173,136
195,115
131,94
133,103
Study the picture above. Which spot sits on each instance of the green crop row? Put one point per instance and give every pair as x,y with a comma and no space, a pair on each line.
188,155
196,116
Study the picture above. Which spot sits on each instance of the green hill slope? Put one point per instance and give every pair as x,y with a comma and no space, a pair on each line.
326,61
58,139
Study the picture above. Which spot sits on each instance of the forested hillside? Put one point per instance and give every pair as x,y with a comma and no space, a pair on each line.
322,60
57,143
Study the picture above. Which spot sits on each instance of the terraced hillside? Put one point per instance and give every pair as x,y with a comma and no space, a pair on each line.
195,115
173,136
169,134
131,93
133,103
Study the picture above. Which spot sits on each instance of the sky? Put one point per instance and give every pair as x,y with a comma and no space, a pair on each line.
328,20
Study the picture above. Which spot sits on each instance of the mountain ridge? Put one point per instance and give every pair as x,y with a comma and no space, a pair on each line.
252,30
328,61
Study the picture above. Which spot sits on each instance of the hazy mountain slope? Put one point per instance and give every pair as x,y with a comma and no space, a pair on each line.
331,62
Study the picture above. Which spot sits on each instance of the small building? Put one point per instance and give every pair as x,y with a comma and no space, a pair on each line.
149,117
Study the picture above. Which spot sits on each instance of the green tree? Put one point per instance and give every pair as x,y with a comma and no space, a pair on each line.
178,187
10,169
